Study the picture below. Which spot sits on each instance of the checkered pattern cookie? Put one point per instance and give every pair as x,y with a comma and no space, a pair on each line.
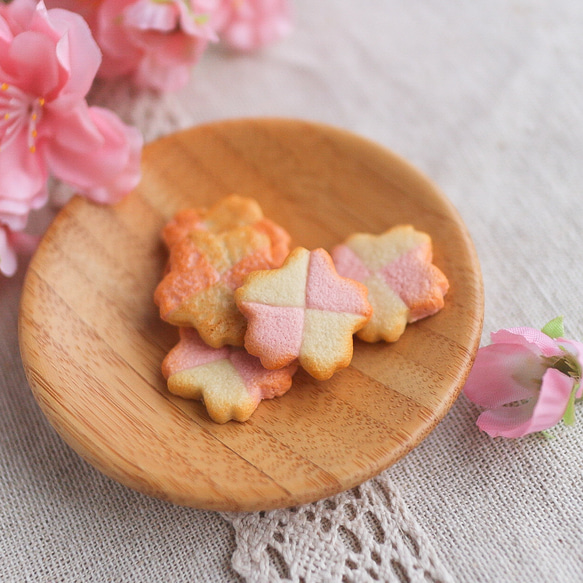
210,254
229,381
305,311
396,267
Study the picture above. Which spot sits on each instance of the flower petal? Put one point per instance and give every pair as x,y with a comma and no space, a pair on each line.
253,23
197,20
77,52
506,421
23,177
146,39
24,242
106,173
574,347
12,243
504,373
5,32
19,14
72,128
534,416
85,9
33,65
530,337
148,15
120,53
553,399
153,74
8,261
167,59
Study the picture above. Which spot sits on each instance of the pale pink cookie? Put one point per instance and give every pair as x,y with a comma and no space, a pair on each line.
229,381
210,254
403,285
304,310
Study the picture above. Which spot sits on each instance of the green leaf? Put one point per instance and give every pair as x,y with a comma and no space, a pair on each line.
569,416
554,328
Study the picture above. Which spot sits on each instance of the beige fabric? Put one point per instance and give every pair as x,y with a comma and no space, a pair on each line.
484,97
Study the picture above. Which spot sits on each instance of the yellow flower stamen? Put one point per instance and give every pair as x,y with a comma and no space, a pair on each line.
201,19
19,112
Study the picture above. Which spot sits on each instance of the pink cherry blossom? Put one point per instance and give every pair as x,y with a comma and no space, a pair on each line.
154,42
526,381
250,24
48,60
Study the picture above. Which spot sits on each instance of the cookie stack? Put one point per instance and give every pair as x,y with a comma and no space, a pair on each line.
250,312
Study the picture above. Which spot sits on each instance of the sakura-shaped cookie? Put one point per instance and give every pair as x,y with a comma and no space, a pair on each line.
303,311
403,284
231,212
210,255
229,381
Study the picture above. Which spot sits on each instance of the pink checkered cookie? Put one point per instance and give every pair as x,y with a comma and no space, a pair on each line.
229,381
303,311
403,284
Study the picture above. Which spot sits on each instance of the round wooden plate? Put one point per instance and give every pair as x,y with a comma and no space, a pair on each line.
92,341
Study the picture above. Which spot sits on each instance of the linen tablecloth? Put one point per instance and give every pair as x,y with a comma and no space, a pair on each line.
484,97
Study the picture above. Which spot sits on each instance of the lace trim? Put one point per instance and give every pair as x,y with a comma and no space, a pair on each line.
363,535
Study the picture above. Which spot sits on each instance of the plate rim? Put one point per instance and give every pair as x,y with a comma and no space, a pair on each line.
419,436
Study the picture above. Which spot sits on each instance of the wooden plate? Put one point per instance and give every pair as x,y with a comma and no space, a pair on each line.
92,341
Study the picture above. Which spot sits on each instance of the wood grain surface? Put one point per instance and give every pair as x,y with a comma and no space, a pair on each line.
92,342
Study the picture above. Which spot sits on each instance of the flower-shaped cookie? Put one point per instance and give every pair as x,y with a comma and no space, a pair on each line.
403,284
304,310
229,213
210,254
229,381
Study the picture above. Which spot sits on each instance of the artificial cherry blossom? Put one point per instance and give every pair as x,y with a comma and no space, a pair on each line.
154,42
48,60
527,379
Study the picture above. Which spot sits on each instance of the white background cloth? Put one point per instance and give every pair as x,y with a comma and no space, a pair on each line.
485,98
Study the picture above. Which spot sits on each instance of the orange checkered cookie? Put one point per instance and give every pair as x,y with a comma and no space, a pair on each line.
210,253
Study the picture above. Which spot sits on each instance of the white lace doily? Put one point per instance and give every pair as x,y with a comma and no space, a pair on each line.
365,534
